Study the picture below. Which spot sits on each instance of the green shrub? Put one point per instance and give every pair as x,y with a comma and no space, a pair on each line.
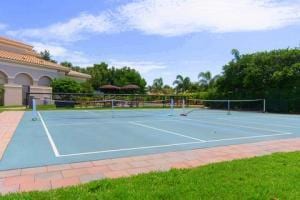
65,85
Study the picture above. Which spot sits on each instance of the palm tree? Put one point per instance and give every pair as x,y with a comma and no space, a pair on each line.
205,78
236,54
182,83
214,80
157,86
158,83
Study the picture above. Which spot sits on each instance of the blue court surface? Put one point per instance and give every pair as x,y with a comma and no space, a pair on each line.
82,135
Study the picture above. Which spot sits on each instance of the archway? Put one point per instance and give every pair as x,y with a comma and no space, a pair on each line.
45,81
25,80
3,78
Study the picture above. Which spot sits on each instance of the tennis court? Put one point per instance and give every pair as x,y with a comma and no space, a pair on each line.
65,136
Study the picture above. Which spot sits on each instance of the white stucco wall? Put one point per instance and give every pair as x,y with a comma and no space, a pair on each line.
12,70
3,78
15,75
12,95
41,98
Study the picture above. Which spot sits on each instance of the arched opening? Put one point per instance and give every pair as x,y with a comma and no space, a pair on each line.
3,78
45,81
25,80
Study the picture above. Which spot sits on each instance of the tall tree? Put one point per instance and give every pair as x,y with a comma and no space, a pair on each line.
236,54
205,78
158,87
158,84
66,64
46,55
274,75
102,75
182,84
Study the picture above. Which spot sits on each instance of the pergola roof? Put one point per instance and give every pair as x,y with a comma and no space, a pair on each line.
130,87
109,87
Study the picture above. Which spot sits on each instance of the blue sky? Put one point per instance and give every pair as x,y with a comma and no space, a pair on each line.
158,38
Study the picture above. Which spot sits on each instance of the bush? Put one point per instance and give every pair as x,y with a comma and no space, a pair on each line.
66,85
86,87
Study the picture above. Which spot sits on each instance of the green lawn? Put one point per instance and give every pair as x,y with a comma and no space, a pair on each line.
275,176
11,108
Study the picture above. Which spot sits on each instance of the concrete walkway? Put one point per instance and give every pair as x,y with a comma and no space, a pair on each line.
55,176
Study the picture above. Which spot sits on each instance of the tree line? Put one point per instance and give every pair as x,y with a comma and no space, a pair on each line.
272,75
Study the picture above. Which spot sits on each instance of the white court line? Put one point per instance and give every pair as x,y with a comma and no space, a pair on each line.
169,145
54,148
101,122
166,131
252,122
129,149
240,126
85,123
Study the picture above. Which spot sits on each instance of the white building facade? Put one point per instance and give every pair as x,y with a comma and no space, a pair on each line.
22,70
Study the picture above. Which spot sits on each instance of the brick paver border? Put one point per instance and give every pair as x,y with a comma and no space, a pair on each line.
8,124
55,176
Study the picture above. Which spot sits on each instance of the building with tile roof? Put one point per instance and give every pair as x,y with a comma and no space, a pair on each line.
22,70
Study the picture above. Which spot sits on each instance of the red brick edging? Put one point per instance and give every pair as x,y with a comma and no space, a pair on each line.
55,176
8,124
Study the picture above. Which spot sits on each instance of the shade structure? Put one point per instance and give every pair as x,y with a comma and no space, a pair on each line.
109,88
130,87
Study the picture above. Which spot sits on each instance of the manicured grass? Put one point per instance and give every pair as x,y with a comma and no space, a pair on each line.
275,176
11,108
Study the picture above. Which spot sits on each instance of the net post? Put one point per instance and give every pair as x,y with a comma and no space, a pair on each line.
183,105
264,105
112,108
34,112
228,107
171,106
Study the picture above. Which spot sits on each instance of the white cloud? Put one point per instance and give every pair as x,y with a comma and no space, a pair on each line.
179,17
61,53
143,67
148,69
71,30
172,18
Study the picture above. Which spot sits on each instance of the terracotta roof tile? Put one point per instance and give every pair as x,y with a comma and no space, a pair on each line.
30,57
78,74
15,43
31,60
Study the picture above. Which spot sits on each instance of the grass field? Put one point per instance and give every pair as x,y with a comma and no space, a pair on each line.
274,176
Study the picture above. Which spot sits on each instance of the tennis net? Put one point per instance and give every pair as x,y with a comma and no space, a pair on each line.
117,108
225,106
